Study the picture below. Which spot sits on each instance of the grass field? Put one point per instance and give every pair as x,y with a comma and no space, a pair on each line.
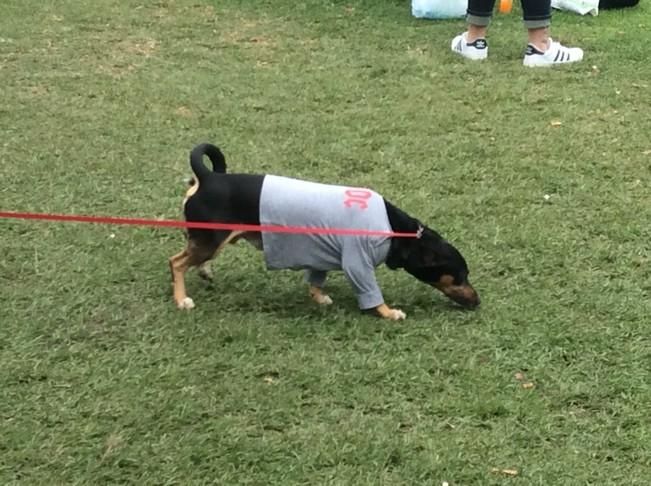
103,381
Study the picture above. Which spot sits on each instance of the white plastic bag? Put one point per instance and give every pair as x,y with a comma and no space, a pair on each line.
438,9
581,7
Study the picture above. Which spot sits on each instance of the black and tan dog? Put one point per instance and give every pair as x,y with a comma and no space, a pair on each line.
215,196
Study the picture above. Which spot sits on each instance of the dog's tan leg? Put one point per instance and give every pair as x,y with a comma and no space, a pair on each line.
179,264
387,312
319,297
193,256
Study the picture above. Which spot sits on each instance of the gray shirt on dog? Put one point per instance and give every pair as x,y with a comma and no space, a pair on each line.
292,202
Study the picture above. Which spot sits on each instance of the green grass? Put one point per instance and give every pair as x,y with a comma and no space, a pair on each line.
103,381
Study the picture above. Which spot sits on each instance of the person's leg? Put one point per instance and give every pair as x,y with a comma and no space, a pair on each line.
472,43
478,16
537,15
542,50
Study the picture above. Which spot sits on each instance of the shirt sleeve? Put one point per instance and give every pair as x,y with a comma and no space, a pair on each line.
359,269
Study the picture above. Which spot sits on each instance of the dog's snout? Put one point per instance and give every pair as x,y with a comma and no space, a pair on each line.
474,300
464,295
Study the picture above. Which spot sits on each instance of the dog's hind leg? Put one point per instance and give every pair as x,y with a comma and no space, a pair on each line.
319,297
195,255
179,265
205,272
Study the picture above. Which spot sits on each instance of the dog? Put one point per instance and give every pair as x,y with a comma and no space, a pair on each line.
250,199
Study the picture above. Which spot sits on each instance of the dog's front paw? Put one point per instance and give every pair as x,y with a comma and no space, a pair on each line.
323,299
396,315
387,312
186,303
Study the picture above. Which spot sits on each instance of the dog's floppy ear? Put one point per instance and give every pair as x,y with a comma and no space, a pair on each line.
398,253
410,252
426,250
422,254
425,242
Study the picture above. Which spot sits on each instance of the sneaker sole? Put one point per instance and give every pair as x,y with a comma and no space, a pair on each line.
530,62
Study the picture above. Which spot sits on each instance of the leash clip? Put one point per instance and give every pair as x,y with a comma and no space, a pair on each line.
419,233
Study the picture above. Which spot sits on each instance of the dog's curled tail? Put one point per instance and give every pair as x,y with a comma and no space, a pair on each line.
216,159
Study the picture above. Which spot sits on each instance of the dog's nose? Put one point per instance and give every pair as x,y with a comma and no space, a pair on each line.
468,303
474,302
466,296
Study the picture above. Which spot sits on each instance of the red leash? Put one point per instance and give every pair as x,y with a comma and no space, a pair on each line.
168,223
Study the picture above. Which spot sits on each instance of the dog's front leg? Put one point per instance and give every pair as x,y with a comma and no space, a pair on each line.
361,274
387,312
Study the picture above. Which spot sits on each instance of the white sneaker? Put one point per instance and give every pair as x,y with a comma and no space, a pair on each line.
555,54
476,50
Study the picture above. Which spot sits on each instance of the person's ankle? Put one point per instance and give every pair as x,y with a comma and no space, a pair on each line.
475,32
542,46
539,38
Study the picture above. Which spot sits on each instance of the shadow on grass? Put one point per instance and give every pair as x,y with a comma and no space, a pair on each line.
279,296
